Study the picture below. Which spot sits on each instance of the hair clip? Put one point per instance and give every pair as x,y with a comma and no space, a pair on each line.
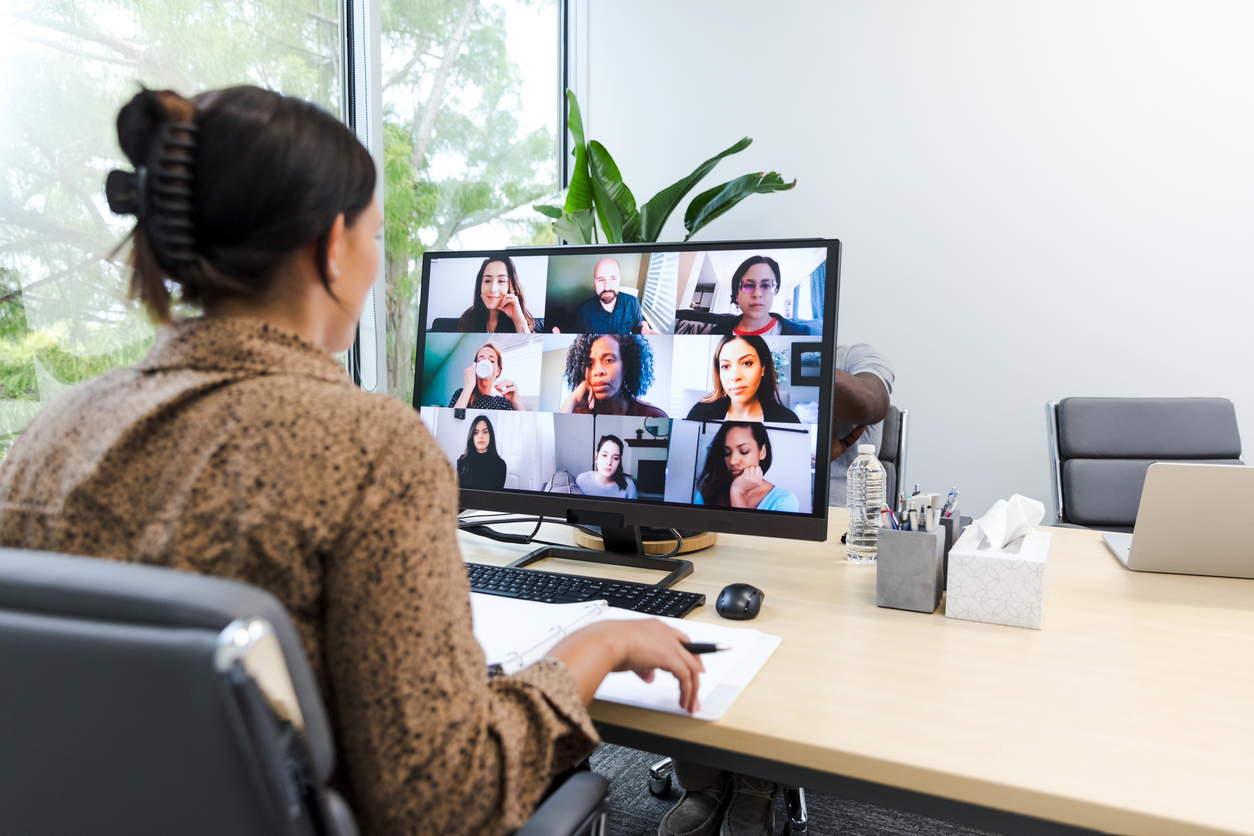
125,191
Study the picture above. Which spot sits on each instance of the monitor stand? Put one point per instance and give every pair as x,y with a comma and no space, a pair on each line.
623,545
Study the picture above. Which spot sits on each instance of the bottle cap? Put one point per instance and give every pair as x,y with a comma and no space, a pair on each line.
866,448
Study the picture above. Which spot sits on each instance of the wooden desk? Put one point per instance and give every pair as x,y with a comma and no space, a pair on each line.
1132,711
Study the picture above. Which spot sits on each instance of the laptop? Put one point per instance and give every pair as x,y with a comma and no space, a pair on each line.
1190,522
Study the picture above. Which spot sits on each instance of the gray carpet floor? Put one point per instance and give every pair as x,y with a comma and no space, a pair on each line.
635,812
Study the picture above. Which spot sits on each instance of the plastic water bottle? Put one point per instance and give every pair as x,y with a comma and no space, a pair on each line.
864,499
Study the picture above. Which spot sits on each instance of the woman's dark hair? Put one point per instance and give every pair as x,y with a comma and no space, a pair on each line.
619,477
472,458
637,361
744,268
768,387
716,480
475,318
236,181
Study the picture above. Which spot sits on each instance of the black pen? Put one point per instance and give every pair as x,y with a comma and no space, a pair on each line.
694,647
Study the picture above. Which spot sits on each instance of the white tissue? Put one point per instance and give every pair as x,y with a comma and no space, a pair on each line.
1009,520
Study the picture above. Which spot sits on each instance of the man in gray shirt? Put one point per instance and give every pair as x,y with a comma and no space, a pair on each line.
864,380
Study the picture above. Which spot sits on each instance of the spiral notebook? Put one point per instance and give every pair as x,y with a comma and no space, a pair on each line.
515,634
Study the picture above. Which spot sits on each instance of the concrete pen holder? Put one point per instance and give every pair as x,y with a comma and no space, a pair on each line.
909,569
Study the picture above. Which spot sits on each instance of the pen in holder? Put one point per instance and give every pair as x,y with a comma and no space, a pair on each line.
909,572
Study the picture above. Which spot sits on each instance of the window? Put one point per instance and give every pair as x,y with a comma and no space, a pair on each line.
68,66
470,141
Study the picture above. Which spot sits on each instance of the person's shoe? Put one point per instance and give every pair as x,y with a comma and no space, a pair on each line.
698,812
751,811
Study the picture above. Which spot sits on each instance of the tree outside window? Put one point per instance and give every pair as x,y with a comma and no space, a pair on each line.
463,156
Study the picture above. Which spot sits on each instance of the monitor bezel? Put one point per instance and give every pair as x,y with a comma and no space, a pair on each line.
651,513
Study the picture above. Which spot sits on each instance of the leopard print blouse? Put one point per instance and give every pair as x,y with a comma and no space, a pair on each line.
240,450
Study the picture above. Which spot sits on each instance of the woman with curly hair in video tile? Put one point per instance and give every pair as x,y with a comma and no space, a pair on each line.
608,373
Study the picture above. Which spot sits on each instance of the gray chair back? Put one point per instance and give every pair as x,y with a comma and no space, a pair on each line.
1100,449
129,706
893,451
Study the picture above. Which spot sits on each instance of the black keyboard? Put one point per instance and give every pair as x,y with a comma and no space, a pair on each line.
554,588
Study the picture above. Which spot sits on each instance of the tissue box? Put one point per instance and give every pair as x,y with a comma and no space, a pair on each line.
1000,586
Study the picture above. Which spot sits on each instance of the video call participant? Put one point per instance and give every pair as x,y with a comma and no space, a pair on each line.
481,467
606,477
732,477
240,428
499,306
607,372
746,387
753,289
609,311
484,388
863,383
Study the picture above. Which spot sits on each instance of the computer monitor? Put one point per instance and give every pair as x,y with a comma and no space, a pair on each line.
684,386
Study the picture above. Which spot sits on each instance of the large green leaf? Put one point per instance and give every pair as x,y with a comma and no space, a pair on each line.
611,220
709,205
577,227
579,193
605,172
653,214
554,212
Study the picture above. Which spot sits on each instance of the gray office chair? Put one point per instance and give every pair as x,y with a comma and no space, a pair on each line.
141,701
893,450
1100,448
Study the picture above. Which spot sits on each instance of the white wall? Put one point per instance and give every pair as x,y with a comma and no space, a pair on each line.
1037,200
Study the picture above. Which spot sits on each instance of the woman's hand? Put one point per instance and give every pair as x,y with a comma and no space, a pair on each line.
510,306
583,392
509,391
639,646
743,486
469,382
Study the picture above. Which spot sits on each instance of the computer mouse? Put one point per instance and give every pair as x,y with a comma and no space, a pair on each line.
739,601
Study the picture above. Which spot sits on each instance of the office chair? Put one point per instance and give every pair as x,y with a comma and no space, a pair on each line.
142,701
893,450
1100,448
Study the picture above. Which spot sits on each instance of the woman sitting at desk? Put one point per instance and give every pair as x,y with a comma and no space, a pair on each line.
739,456
499,306
745,385
239,447
481,467
606,477
753,289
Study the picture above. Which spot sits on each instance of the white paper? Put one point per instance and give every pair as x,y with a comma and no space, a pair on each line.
1009,520
726,672
515,633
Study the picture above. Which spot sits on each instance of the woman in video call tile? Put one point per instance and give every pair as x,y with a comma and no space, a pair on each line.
489,391
499,306
745,385
607,372
738,457
753,286
606,477
481,467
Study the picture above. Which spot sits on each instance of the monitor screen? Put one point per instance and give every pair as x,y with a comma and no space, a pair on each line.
679,385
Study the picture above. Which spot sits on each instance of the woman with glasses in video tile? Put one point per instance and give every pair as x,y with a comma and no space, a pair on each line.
753,289
499,306
608,372
746,387
739,457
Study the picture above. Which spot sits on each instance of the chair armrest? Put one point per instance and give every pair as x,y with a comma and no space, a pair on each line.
569,810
